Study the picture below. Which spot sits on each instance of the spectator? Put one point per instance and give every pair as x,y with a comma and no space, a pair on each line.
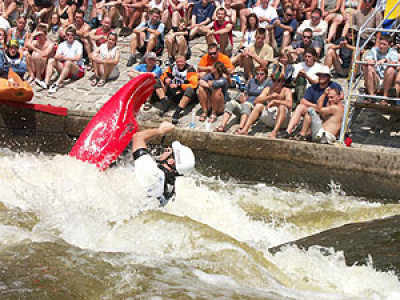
18,33
298,48
310,99
304,8
3,39
54,29
376,73
248,33
150,66
256,54
42,49
305,73
213,92
282,30
221,33
10,7
174,12
180,82
201,16
12,58
243,108
105,61
177,43
68,62
272,106
332,15
361,16
65,13
318,26
110,9
81,27
342,61
206,64
285,59
326,127
97,37
41,10
230,12
349,7
265,13
133,11
4,24
147,37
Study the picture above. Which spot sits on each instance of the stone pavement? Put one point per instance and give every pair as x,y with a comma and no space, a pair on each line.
371,130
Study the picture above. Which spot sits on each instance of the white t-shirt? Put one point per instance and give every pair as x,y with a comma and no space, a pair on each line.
311,71
71,50
110,54
307,24
4,24
269,13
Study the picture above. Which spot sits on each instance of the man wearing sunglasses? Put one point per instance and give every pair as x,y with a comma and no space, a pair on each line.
282,30
298,48
206,62
158,176
318,26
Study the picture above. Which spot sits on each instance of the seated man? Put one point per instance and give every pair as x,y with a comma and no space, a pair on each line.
327,129
318,26
282,30
376,73
12,58
150,66
82,28
147,37
305,73
307,41
272,106
206,62
68,62
257,54
180,84
310,99
201,16
42,49
342,61
220,32
360,17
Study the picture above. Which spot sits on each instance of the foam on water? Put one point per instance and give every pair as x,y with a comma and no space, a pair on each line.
107,211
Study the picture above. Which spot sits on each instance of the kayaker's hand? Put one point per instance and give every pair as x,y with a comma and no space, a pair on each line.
166,127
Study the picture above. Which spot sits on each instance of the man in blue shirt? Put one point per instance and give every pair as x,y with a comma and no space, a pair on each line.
201,16
310,99
147,37
282,30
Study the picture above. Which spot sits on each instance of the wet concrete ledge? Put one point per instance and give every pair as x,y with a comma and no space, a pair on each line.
27,130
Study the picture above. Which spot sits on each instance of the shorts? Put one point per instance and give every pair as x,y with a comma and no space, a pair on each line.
150,177
80,73
234,107
177,94
158,49
329,136
269,116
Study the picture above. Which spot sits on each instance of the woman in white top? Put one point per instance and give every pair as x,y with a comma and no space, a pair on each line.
105,61
248,35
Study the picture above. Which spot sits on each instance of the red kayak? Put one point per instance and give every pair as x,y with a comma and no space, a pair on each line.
112,128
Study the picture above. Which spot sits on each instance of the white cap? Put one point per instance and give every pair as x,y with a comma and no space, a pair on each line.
324,70
184,158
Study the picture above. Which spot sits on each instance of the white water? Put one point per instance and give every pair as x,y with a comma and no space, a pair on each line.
209,220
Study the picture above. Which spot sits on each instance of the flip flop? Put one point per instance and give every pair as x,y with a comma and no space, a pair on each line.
101,83
203,117
94,81
220,128
238,129
212,119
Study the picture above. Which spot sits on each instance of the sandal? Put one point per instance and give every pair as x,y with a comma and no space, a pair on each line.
220,128
94,81
101,83
147,106
203,117
212,119
301,138
238,129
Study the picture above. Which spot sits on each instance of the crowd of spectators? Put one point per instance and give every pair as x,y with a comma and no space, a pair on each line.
287,57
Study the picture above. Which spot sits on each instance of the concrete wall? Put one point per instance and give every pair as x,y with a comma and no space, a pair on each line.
25,129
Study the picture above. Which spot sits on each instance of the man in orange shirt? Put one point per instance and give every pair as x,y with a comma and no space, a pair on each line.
205,65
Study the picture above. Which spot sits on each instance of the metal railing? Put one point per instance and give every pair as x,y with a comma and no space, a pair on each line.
353,84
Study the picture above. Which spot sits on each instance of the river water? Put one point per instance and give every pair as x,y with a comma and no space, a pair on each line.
68,231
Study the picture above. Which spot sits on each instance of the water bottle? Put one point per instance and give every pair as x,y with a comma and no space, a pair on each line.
192,123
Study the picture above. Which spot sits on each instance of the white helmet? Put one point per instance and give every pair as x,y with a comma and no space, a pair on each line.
184,158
